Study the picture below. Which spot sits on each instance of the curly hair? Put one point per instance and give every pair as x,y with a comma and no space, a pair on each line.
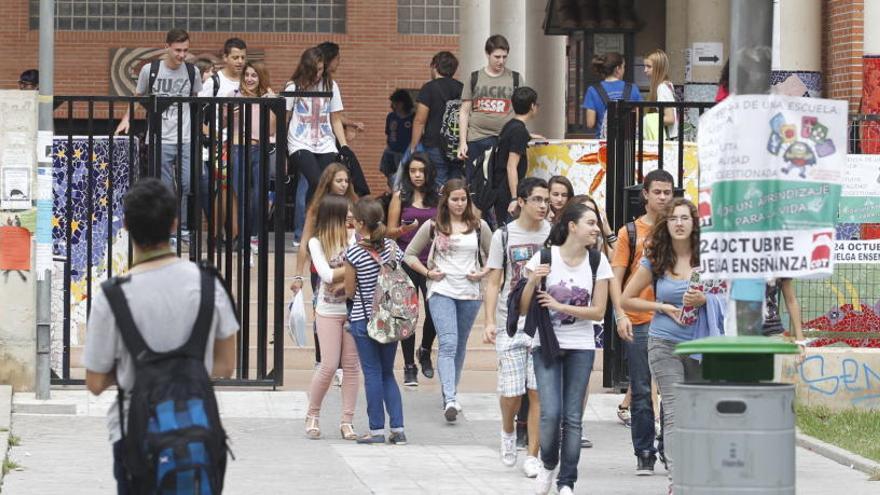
658,248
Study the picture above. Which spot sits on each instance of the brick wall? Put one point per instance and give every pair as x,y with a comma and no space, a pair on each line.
375,60
842,35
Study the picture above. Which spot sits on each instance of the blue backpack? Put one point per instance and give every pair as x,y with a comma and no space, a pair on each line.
174,441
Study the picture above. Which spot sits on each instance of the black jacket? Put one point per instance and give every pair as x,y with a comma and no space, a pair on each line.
538,318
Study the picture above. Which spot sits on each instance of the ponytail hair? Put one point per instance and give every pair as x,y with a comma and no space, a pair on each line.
572,213
370,212
605,64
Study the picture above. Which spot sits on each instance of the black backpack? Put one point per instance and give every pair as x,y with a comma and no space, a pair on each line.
190,70
603,95
595,258
175,442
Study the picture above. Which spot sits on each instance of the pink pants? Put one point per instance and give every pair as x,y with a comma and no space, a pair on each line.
337,346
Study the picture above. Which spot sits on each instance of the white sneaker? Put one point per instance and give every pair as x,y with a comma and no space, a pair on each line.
543,481
531,466
508,450
337,378
566,490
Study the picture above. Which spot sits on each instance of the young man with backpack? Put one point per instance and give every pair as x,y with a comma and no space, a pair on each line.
435,126
165,406
228,79
513,245
172,76
486,104
657,192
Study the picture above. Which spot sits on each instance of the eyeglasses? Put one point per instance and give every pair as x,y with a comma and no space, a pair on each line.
26,85
538,200
681,219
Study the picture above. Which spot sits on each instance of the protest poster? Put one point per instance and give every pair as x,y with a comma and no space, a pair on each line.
770,180
860,194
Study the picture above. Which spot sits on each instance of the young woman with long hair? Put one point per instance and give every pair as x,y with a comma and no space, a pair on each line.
671,255
611,67
332,237
311,142
459,244
334,181
362,264
657,68
412,206
561,192
575,304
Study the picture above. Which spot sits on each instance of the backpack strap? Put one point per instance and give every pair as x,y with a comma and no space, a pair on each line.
627,91
191,71
595,258
475,75
131,336
515,80
198,340
603,95
479,250
505,235
633,236
216,79
154,73
546,259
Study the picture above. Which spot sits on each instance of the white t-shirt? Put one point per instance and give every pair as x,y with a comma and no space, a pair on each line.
227,86
665,92
456,256
310,127
571,285
330,303
521,246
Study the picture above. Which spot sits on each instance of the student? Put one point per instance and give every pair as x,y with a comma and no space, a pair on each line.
611,68
362,263
206,68
327,248
163,294
29,80
459,242
414,205
398,132
564,353
512,163
671,255
633,326
433,101
723,83
172,77
486,102
311,142
772,321
513,245
561,192
334,181
228,79
656,68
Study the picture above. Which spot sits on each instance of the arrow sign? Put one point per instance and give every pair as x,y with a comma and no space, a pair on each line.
709,53
714,59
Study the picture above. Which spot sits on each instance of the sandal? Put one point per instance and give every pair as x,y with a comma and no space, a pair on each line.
313,430
347,431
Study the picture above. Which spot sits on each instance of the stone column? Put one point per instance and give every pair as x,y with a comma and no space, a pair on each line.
546,65
797,48
473,29
509,20
708,21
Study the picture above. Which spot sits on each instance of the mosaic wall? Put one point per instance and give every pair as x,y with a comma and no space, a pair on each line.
797,83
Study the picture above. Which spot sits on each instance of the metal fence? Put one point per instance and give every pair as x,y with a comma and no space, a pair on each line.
221,159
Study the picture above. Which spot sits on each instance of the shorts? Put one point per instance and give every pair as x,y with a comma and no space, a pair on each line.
516,371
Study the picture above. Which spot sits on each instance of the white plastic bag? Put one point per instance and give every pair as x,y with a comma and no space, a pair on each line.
296,321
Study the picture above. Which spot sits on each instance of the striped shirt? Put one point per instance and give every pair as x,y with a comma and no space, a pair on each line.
366,274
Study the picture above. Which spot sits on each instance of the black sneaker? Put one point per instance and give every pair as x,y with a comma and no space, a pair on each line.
397,438
411,375
646,461
424,357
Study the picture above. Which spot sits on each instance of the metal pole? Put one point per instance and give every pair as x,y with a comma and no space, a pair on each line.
45,125
751,53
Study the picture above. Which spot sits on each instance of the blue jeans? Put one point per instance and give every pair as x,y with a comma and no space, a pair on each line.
453,319
641,407
475,149
169,176
299,208
445,169
562,385
252,194
377,363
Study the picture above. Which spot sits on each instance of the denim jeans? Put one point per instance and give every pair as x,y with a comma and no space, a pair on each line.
562,386
475,149
641,408
251,196
453,319
119,471
299,208
169,176
669,369
445,169
377,364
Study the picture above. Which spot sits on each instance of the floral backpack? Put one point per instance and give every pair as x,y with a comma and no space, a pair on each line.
395,302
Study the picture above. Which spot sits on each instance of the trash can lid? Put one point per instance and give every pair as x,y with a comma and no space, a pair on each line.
741,344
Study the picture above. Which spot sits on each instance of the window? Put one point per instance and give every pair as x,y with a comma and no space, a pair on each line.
427,16
264,16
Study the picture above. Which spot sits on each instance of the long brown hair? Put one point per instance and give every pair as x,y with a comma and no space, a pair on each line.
659,73
330,224
564,182
306,72
586,199
443,220
658,247
325,186
262,73
370,212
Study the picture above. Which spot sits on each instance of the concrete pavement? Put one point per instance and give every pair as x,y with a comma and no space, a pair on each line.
69,453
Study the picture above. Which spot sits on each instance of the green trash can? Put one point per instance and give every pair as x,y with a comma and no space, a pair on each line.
735,432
